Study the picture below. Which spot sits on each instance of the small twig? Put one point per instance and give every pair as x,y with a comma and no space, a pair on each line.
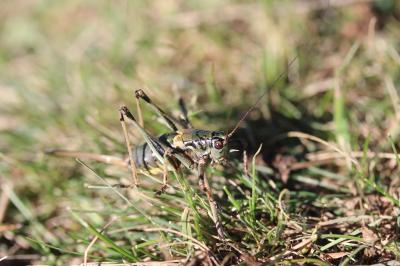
109,159
26,257
350,219
321,156
3,203
301,135
230,181
307,164
305,242
144,263
317,87
245,164
280,203
102,129
169,230
9,227
282,210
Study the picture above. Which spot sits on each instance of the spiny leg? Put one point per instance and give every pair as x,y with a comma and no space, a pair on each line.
167,156
162,152
132,164
157,147
139,111
203,182
170,121
185,119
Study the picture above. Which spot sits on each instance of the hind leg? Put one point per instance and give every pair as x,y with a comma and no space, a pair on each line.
171,122
185,119
132,164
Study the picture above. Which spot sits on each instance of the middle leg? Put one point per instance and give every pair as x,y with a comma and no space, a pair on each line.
167,158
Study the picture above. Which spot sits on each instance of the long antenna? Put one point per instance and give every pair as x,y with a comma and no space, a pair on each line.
259,98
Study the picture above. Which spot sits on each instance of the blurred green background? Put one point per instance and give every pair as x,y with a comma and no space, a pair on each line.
67,66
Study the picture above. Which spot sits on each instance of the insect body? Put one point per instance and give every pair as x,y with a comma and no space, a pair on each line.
192,148
194,144
183,146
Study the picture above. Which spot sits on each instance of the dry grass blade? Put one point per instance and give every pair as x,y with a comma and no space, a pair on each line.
4,200
63,79
351,219
301,135
169,230
144,263
85,256
323,155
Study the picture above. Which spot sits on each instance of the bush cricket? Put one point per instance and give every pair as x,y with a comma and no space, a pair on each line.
185,146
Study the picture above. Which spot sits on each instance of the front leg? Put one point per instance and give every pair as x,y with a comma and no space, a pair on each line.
167,158
204,185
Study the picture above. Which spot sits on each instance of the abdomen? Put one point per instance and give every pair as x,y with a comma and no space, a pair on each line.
143,158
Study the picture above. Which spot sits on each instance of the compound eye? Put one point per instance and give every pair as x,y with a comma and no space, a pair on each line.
218,144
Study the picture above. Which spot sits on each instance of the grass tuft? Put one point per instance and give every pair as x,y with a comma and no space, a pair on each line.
318,183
